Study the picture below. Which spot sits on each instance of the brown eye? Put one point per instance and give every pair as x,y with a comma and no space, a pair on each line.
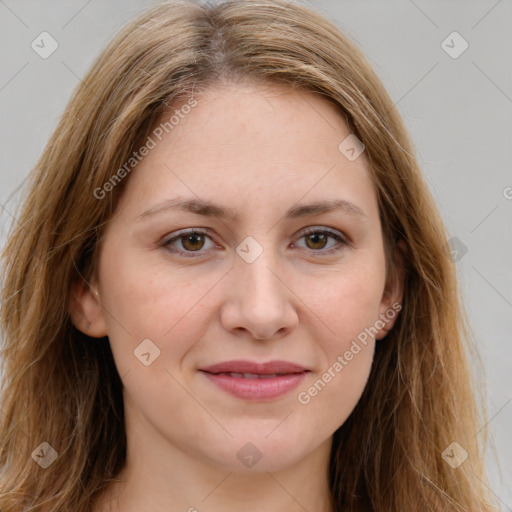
316,240
188,242
192,242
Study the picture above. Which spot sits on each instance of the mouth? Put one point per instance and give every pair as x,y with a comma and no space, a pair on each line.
253,375
254,381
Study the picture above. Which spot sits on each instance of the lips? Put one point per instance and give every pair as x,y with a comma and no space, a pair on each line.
254,368
237,375
249,380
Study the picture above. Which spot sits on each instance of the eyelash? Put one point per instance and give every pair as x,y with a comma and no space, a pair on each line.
198,231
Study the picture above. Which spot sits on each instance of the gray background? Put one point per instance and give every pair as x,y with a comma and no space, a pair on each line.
458,111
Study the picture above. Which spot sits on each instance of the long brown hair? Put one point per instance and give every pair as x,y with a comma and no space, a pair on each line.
62,388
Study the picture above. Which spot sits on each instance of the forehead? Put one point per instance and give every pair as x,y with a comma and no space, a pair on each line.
250,141
252,113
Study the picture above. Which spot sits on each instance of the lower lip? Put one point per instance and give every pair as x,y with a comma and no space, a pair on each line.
257,389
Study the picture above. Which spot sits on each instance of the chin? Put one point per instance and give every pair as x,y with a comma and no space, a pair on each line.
254,452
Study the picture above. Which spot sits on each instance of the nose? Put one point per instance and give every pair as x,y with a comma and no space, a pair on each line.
260,301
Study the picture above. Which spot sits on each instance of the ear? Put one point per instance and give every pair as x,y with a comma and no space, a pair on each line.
392,297
86,312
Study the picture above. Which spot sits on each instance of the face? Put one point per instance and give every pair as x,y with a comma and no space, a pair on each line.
196,299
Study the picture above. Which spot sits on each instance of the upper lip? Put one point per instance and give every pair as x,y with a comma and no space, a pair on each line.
244,366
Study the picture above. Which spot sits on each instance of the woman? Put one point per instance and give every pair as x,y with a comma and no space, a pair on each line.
180,334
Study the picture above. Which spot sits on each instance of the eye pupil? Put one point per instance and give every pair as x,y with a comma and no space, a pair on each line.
315,237
190,238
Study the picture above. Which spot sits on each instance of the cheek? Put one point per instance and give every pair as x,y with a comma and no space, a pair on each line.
157,301
333,394
349,311
347,302
348,306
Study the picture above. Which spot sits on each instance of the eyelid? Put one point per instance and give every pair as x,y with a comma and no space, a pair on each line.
341,238
334,233
176,235
325,229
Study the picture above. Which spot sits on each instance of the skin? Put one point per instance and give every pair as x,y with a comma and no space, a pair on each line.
259,149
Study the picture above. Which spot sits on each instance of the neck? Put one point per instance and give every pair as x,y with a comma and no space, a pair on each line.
153,482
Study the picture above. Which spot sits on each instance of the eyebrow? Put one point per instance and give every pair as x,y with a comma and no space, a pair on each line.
210,209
